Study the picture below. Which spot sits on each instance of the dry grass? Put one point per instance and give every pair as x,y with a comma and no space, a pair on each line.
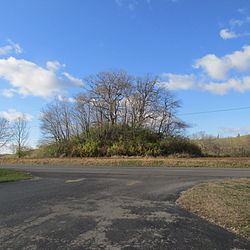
213,162
232,146
225,203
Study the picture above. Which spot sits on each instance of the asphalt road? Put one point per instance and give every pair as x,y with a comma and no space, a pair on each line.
109,208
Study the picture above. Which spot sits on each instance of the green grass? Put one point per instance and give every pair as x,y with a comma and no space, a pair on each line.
7,175
225,203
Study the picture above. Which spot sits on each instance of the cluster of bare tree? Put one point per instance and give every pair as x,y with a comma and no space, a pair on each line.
16,133
111,98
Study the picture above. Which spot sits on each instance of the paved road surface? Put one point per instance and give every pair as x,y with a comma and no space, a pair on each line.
109,208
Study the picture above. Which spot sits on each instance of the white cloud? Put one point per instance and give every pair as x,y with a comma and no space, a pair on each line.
237,84
11,48
185,82
8,92
217,68
235,24
217,79
76,81
5,50
175,82
240,60
12,115
214,66
227,34
66,99
27,78
54,65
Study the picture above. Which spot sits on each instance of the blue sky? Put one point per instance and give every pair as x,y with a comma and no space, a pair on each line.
201,50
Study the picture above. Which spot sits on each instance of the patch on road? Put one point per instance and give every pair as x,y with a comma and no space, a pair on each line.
133,183
75,180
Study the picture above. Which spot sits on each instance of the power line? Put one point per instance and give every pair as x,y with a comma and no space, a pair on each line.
195,113
215,111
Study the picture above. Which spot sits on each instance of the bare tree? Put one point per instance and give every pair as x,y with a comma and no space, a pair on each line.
84,113
20,134
108,89
57,121
143,100
5,132
153,107
165,120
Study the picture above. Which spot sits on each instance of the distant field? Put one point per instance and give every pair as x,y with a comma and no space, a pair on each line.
225,203
211,162
232,146
7,175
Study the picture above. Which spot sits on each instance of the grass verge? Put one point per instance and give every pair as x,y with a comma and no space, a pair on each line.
225,203
7,175
213,162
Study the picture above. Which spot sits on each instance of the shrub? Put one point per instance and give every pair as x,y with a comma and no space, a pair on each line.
89,149
117,149
121,140
179,146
